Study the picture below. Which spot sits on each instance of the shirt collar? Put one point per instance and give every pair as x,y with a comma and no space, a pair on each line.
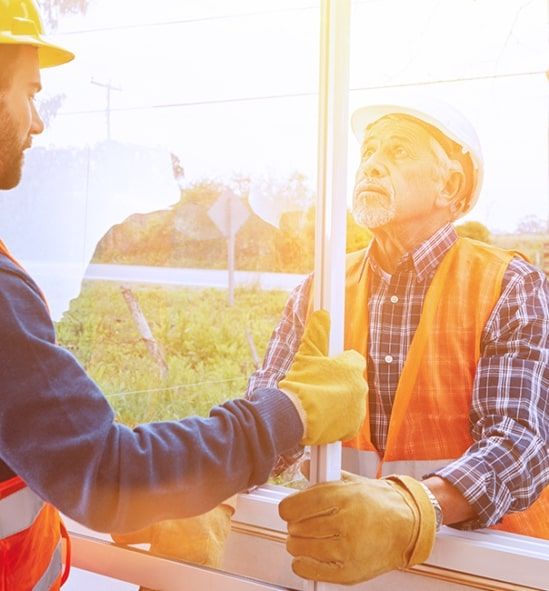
424,259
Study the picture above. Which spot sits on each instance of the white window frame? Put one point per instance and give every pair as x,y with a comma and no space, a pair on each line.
482,559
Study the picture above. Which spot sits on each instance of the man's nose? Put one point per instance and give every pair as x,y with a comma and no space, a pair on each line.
373,166
37,125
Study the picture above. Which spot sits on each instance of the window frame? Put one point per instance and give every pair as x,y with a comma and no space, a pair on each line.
484,559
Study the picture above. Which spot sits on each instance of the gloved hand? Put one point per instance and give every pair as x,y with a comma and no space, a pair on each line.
199,539
329,392
355,529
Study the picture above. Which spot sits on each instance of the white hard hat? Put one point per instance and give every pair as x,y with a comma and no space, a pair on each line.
449,122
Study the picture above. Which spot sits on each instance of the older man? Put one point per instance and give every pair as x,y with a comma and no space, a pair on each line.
60,447
456,336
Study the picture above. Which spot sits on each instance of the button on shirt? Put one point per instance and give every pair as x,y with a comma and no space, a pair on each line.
510,406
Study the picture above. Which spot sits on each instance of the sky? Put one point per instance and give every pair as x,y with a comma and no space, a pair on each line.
231,86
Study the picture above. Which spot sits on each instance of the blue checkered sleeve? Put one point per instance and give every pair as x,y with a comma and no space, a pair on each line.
284,341
280,353
508,466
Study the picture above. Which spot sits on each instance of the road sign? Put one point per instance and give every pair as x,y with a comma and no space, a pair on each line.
228,213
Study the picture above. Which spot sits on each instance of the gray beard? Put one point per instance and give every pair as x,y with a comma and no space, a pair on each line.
372,216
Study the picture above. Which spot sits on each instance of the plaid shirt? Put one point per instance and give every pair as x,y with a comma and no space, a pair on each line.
508,465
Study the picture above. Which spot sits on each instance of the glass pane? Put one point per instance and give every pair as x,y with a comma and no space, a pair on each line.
168,119
488,60
146,142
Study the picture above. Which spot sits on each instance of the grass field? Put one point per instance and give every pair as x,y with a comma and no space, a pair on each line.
203,339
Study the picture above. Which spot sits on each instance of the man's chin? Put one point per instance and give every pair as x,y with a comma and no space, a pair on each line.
372,218
10,178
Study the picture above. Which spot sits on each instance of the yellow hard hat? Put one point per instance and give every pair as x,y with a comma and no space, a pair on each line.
20,24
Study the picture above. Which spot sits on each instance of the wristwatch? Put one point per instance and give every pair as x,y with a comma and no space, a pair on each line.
436,506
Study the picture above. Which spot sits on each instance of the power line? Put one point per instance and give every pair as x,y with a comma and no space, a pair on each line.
171,388
511,30
186,21
195,103
417,42
453,80
201,19
300,94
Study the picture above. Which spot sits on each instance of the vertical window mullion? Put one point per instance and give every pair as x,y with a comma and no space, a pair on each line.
329,290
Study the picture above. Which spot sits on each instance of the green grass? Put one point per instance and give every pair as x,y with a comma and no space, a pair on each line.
203,339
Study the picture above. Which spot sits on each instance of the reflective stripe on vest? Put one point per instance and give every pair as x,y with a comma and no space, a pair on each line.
367,463
19,511
53,572
430,416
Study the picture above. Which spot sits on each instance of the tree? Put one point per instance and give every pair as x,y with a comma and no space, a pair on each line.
178,170
54,9
474,230
531,224
49,107
358,237
295,242
273,198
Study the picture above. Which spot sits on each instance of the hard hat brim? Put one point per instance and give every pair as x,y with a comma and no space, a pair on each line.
365,116
49,54
53,55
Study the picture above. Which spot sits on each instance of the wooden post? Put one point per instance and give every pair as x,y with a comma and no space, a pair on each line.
231,241
144,330
253,350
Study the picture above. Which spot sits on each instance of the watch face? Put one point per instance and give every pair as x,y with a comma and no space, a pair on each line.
438,515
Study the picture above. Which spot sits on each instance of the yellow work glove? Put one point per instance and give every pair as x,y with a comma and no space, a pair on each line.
355,529
329,392
199,539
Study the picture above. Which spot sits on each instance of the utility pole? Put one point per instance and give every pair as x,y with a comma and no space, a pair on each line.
109,87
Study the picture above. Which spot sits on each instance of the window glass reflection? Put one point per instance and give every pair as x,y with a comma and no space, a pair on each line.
177,175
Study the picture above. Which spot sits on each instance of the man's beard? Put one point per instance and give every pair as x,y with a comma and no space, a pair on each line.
371,209
11,152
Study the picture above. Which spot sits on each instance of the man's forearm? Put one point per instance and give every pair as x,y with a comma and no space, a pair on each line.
455,507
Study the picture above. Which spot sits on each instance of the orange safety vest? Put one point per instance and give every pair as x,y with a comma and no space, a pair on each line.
31,535
429,425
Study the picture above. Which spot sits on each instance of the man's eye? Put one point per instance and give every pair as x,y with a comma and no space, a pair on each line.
399,152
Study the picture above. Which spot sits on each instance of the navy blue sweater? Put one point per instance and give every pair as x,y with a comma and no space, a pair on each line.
57,432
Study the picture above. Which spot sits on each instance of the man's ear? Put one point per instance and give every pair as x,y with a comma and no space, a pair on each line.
451,194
